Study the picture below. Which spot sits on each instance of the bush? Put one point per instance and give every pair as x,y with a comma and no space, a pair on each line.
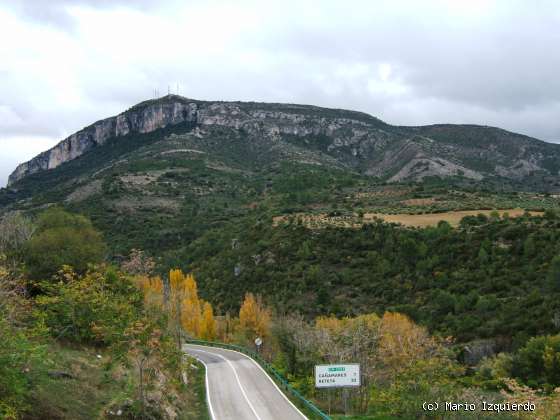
94,308
21,357
538,362
63,239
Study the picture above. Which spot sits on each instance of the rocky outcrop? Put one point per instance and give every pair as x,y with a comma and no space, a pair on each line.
347,138
140,119
152,115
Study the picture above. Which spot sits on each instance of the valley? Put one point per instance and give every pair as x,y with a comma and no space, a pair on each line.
335,220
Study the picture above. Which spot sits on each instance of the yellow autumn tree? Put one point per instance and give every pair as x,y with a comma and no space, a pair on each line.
208,323
176,286
174,302
402,342
351,340
254,317
152,289
185,309
191,307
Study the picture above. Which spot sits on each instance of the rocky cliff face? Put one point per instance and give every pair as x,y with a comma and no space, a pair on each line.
355,140
141,119
152,115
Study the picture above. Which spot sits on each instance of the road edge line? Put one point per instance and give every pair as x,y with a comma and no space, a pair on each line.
212,415
271,380
238,382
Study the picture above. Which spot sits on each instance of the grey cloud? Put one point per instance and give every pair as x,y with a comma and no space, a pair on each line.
55,13
506,62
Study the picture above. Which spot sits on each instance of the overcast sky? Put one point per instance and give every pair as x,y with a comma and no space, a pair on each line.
65,64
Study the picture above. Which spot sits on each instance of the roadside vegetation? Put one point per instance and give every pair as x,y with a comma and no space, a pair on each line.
80,343
402,364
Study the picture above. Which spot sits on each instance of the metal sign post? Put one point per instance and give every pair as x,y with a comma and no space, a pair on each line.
338,376
258,344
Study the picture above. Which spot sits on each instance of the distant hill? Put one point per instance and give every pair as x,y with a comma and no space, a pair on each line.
264,133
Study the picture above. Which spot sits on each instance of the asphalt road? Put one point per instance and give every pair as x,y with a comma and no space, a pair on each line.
239,389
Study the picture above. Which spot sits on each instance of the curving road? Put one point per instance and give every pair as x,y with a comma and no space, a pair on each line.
239,389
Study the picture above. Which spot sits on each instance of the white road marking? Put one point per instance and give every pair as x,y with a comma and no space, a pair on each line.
238,381
271,380
212,415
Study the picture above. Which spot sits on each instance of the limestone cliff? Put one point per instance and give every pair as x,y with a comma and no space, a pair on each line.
347,139
142,119
172,109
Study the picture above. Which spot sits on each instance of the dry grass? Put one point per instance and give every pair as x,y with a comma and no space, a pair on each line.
452,217
317,221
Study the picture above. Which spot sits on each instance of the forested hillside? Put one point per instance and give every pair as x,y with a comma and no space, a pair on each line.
290,218
467,282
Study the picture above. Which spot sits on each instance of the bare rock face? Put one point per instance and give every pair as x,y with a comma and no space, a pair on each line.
171,110
141,119
337,137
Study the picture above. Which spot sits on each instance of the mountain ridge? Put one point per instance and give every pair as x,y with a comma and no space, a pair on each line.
355,139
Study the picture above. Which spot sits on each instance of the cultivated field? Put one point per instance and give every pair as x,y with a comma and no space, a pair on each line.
322,220
432,219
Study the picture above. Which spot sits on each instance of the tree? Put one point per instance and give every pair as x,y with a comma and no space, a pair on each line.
15,231
538,362
529,247
402,342
186,311
254,317
174,303
483,255
61,239
351,340
138,263
191,307
554,273
152,289
93,308
208,323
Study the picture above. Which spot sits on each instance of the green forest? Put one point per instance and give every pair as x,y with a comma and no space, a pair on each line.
441,312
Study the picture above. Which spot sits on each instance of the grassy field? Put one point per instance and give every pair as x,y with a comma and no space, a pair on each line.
322,220
432,219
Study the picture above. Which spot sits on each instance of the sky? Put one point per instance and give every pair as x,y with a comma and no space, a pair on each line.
65,64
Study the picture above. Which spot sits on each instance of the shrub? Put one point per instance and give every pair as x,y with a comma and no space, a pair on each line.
63,239
94,308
